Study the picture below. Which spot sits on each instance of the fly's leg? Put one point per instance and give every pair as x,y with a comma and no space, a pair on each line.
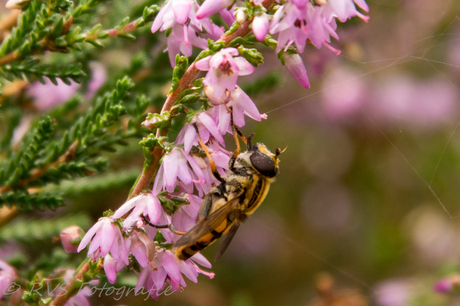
247,141
211,161
160,226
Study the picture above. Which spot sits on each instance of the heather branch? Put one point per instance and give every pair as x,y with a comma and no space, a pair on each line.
188,77
37,173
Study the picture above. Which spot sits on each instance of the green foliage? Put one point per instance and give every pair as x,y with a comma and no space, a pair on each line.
27,230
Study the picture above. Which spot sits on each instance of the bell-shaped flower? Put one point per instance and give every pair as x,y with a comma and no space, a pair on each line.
146,204
111,267
297,68
70,238
260,26
177,165
180,15
345,9
185,216
105,237
240,103
223,70
296,25
211,7
181,40
206,126
167,269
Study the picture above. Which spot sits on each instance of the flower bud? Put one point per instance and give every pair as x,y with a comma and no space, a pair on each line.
241,16
70,238
16,4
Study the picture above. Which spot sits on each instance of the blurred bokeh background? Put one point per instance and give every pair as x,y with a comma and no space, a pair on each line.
365,210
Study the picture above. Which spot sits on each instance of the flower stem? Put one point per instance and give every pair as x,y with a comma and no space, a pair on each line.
62,299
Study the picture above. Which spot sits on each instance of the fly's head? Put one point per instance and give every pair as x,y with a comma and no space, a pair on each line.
264,161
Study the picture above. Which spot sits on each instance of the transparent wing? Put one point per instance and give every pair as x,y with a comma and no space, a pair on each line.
228,238
209,224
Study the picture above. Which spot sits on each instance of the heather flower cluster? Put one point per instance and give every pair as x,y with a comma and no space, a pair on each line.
123,239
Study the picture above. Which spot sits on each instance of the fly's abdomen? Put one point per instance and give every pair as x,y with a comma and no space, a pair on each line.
197,244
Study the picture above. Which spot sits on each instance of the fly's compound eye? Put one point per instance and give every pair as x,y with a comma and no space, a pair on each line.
263,163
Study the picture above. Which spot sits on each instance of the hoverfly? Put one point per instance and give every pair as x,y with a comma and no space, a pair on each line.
228,204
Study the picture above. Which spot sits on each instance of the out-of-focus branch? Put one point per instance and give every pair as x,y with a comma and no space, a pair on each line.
7,23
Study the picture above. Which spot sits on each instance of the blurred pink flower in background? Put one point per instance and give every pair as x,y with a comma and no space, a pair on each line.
343,93
7,276
394,292
419,103
47,96
70,238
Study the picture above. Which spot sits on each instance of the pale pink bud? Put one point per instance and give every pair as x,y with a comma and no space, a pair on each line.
296,67
260,26
211,7
70,238
16,4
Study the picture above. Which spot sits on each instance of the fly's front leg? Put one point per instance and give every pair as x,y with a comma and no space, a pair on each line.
160,226
211,161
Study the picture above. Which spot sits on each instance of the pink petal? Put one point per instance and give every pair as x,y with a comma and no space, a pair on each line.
89,235
246,103
190,137
260,27
181,9
211,126
110,268
244,66
154,209
171,168
201,260
125,208
211,7
297,68
159,19
170,265
187,271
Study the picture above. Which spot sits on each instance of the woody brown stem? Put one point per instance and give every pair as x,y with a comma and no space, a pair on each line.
62,299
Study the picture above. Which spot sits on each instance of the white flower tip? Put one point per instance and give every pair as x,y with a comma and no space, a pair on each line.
264,116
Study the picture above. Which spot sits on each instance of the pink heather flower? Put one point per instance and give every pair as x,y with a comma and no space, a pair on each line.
185,216
448,285
181,16
206,127
142,248
98,78
181,40
81,297
223,70
145,203
345,9
166,270
7,276
211,7
241,104
47,96
260,26
16,4
296,25
176,166
105,237
228,16
296,67
111,267
70,238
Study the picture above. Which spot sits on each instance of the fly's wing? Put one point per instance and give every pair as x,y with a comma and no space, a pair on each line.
209,224
228,238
